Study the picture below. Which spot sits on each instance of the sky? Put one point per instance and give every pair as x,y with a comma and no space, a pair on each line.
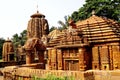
15,14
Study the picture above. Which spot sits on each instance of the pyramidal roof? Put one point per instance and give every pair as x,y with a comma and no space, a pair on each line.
99,29
54,33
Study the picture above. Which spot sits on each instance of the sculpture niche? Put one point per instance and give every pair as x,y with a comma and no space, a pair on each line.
37,27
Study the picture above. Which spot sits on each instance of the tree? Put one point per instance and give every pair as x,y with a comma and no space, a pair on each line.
19,40
106,8
15,40
52,28
23,37
62,24
1,46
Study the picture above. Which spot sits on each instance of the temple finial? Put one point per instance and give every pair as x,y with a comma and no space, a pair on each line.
8,38
37,6
37,9
93,12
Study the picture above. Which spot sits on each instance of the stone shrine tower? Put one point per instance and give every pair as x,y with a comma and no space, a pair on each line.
37,27
8,51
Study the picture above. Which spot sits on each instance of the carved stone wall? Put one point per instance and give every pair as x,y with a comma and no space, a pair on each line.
84,58
70,58
106,56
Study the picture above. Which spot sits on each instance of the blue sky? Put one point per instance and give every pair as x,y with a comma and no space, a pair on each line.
14,14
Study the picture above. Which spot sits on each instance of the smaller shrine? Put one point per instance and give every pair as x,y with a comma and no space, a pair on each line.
8,51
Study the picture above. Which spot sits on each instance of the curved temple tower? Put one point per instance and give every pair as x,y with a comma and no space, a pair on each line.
37,27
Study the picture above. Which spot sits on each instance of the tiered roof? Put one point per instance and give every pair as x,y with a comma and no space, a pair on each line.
93,30
99,29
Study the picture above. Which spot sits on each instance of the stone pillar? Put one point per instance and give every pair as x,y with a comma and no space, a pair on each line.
96,61
82,62
59,59
111,56
116,56
104,55
53,59
29,57
49,59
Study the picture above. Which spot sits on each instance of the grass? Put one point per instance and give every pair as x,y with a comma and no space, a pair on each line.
1,60
53,77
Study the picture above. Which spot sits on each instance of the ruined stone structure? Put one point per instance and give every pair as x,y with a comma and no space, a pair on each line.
8,51
37,27
93,43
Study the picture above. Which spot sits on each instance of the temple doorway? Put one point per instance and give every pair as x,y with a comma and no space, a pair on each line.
71,65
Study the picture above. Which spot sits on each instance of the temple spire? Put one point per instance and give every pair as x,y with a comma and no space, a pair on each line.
93,12
37,9
37,6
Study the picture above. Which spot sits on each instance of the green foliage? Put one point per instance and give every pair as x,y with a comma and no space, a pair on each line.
19,40
1,45
53,77
20,78
62,24
52,28
107,8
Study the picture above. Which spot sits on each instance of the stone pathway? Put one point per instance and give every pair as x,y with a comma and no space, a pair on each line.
1,77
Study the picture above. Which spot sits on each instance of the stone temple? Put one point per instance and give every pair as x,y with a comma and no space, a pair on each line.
91,44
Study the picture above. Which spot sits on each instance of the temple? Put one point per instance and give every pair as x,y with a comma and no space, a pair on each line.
93,43
86,50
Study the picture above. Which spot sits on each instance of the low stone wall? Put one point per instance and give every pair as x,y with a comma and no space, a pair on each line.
15,73
11,63
102,75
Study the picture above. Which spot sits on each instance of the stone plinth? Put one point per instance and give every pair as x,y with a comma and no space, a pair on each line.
34,66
